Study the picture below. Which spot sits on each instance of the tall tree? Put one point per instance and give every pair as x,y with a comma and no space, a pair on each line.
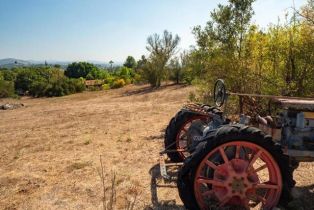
141,63
176,70
221,43
111,64
161,49
130,62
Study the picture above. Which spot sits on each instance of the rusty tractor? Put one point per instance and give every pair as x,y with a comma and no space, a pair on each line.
225,164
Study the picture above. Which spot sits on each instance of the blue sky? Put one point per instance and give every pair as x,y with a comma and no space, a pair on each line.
103,30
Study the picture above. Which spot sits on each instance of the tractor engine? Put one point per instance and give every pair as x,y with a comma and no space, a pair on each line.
294,129
298,129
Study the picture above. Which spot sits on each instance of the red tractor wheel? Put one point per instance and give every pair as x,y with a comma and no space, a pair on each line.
176,134
182,141
236,167
237,180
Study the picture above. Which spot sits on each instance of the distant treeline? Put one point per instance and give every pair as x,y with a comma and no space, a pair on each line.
53,81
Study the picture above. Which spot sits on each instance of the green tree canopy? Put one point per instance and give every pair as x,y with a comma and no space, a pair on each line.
277,60
80,69
161,49
130,62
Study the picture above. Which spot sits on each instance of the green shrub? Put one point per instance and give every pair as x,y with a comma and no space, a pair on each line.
118,83
127,81
56,87
137,78
9,75
97,74
6,89
39,88
65,86
77,84
109,80
24,79
105,86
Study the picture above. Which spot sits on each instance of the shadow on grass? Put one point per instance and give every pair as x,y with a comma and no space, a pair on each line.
155,137
158,183
146,90
159,136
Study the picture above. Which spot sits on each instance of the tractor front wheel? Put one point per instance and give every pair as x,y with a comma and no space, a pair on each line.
236,167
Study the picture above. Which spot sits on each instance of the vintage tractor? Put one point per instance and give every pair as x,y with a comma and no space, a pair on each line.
233,165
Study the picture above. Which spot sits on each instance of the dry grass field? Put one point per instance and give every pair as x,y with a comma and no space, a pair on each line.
50,151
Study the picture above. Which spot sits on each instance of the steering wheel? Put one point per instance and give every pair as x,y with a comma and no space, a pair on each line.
220,93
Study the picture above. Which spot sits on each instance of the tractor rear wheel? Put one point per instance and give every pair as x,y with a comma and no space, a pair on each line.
237,166
176,133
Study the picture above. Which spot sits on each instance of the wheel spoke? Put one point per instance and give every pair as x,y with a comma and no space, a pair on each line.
261,199
223,155
267,186
254,158
258,169
224,201
183,136
237,155
255,197
203,180
211,164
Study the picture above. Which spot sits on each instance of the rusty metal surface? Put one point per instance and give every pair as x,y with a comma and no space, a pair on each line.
297,104
165,166
196,108
301,155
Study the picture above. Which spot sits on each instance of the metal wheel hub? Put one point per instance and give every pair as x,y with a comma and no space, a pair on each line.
237,179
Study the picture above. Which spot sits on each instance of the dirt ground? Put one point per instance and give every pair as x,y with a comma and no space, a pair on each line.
50,151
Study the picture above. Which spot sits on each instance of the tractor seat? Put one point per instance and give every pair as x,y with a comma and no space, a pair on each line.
296,103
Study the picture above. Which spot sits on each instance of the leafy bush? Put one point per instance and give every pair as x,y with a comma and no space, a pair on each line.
24,79
97,74
80,69
59,87
44,81
39,88
127,81
118,83
6,89
9,75
105,86
137,78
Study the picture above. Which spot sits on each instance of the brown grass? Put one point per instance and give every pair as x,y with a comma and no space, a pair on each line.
50,150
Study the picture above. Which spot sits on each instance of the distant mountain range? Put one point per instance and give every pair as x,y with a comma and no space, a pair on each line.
13,62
